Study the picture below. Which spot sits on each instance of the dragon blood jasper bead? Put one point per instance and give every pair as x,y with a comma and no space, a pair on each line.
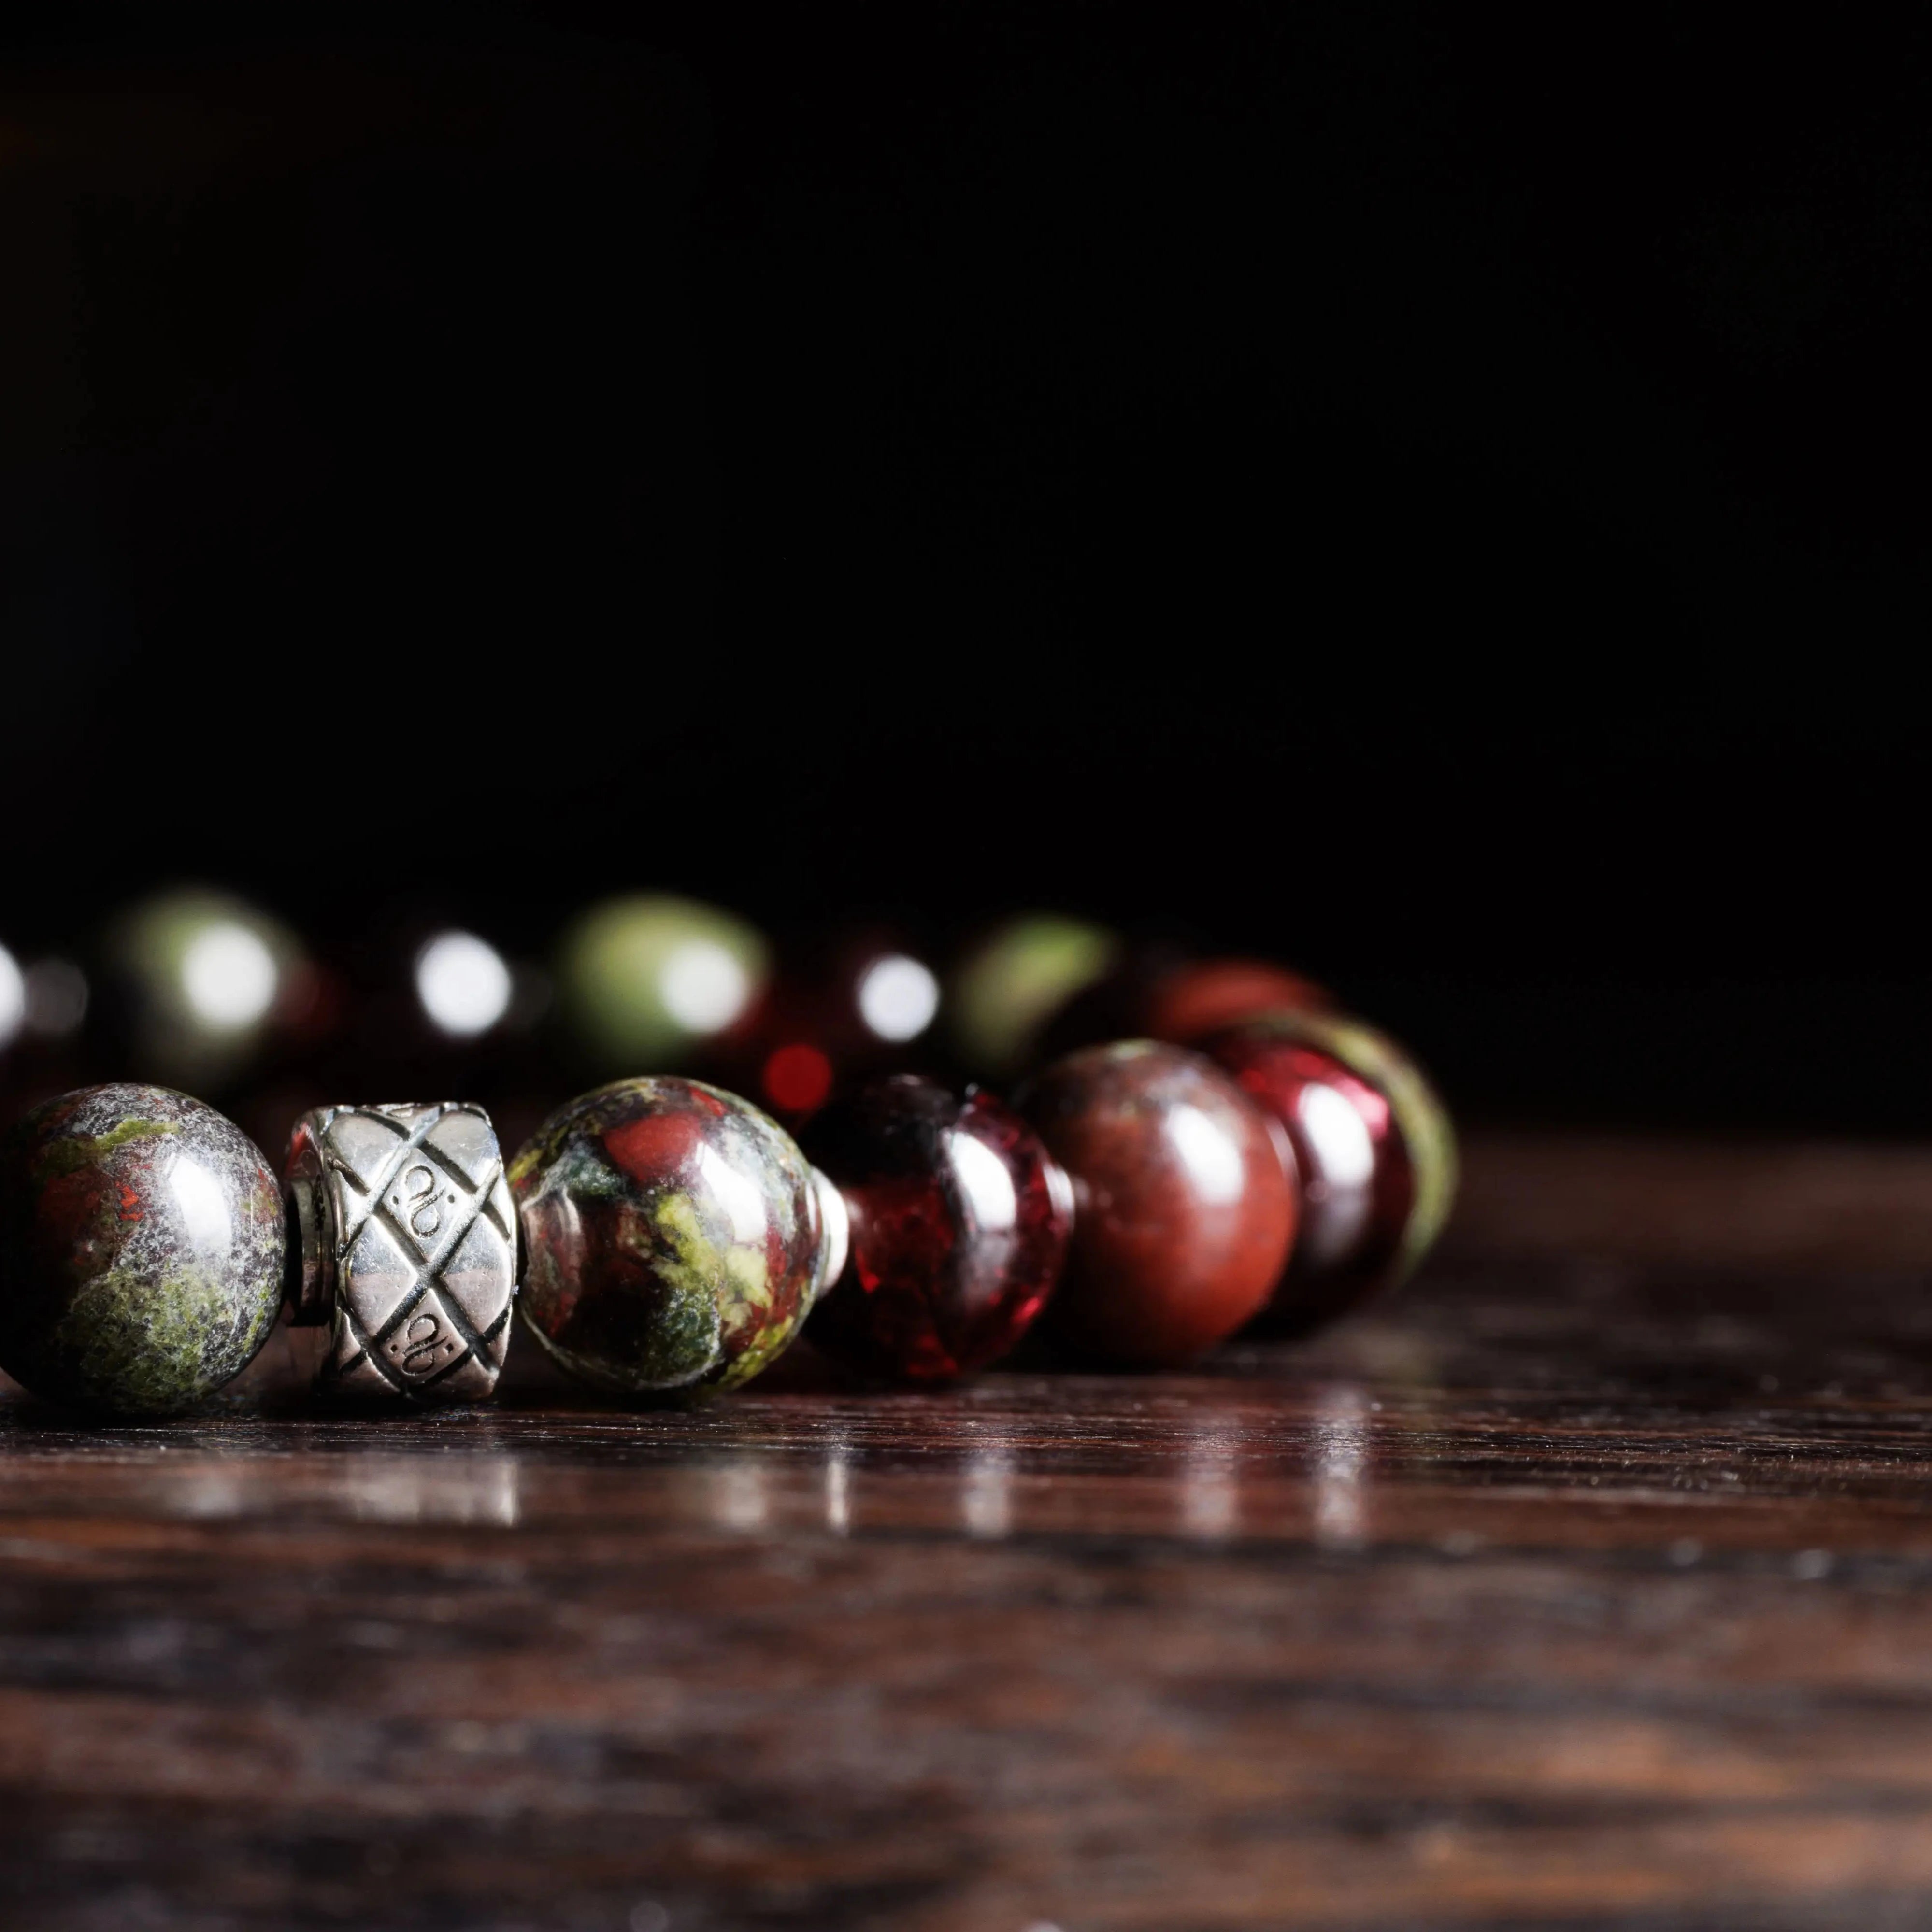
1374,1148
674,1236
959,1220
1184,1207
142,1239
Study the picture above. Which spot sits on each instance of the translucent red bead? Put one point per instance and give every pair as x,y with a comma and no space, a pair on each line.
959,1227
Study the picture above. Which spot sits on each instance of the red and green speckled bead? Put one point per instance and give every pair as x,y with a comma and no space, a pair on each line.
142,1240
674,1237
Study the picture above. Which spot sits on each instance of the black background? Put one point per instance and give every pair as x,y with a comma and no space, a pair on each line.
1438,497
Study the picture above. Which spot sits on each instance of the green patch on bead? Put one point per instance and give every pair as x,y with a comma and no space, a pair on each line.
71,1152
735,1282
132,1345
693,1261
581,1169
772,1342
679,1346
574,1164
747,1278
676,1348
677,1342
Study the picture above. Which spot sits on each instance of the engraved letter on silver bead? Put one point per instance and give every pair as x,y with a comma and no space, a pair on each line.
408,1248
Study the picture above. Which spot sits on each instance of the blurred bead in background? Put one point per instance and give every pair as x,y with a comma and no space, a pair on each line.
1015,979
897,996
46,1000
834,1015
464,985
204,984
647,980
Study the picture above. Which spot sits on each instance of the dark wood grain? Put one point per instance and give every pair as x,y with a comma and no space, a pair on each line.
1588,1584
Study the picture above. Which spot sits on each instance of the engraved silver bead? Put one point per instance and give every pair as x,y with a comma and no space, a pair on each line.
409,1248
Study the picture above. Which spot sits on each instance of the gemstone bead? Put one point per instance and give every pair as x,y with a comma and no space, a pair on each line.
1183,1205
674,1236
141,1242
959,1227
1374,1149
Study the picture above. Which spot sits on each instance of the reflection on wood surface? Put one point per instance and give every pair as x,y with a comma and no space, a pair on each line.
1580,1585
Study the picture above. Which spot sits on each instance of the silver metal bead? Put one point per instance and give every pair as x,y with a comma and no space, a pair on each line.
409,1248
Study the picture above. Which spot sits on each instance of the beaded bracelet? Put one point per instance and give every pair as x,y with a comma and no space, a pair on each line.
660,1237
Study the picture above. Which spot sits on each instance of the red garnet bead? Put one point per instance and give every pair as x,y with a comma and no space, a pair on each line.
959,1226
1183,1206
1373,1145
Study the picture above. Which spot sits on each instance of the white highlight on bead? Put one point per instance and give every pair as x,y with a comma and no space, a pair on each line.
740,1196
702,986
1208,1153
1340,1136
228,977
985,1182
1340,1200
203,1208
464,984
13,996
898,996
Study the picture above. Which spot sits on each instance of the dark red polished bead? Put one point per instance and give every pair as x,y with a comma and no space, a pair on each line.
959,1227
1183,1205
1374,1148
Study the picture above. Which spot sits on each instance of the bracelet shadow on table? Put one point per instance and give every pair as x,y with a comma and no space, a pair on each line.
1582,1584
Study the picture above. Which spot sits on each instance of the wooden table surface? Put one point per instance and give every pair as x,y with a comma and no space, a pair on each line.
1586,1584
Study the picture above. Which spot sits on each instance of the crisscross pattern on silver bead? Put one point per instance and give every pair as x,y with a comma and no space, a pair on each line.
418,1222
